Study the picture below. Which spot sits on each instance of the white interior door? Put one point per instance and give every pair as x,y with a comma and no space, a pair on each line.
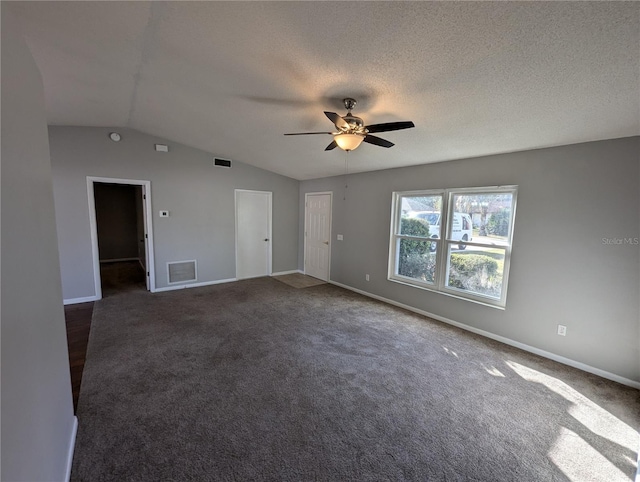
253,234
144,248
317,240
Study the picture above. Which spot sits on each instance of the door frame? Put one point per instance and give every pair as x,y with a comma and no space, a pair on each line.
270,227
306,205
93,227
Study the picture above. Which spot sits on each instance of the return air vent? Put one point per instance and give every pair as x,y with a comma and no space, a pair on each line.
221,162
182,271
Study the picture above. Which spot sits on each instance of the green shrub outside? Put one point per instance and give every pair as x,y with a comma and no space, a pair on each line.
498,223
414,227
413,256
467,264
417,266
475,272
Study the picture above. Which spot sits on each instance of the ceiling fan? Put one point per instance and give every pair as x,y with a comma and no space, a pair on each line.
351,131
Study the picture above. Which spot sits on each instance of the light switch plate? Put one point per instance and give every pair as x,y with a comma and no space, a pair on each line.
340,238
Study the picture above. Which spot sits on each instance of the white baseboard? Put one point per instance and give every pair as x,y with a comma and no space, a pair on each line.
281,273
71,448
502,339
194,285
117,260
75,301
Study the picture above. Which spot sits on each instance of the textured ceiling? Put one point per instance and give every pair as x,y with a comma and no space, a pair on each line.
230,78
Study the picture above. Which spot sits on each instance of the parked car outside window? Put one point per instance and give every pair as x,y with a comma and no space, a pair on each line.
462,229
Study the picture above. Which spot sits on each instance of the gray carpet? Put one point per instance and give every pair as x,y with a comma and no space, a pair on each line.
256,380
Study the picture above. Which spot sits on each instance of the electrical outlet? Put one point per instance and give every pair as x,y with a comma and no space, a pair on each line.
562,330
164,214
366,277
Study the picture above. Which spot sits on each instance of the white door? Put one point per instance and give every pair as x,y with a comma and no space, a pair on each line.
317,227
143,250
253,234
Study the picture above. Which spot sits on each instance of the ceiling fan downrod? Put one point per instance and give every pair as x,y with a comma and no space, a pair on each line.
349,103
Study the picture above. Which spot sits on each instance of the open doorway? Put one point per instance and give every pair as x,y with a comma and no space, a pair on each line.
121,235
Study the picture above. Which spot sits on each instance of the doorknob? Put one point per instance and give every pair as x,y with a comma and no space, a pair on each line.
326,242
266,239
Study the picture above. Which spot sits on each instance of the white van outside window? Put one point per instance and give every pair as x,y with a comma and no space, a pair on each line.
462,227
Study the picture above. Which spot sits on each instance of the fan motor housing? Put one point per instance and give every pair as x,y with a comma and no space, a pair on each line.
353,121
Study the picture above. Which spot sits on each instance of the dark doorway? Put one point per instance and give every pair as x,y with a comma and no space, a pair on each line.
121,237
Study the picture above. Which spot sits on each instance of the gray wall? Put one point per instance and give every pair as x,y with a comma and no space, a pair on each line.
200,199
562,272
116,220
37,408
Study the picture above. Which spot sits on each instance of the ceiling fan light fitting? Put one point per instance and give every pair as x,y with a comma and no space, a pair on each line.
348,142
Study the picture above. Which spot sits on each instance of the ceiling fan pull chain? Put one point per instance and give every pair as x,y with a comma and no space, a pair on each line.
346,174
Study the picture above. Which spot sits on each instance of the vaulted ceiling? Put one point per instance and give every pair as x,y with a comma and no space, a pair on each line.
231,78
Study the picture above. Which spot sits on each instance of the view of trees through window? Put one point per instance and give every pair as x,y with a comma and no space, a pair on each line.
472,239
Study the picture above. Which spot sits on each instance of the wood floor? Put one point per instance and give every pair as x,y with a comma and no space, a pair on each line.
78,320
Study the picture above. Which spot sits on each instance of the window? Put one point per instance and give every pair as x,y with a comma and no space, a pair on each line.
418,223
454,241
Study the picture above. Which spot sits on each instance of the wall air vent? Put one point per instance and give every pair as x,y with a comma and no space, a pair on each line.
181,271
221,162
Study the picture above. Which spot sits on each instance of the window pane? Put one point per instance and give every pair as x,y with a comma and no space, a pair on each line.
477,270
420,216
417,259
489,214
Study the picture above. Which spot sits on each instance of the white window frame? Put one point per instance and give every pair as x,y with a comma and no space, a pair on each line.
394,245
442,260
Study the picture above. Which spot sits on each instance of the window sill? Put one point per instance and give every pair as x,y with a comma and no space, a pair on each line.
489,304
